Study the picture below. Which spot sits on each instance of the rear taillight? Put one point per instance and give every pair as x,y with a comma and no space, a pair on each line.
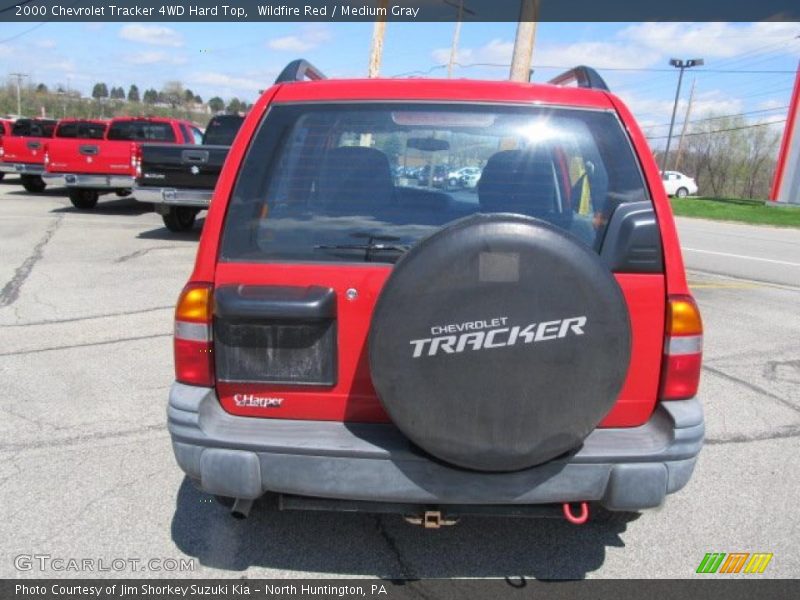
136,159
46,157
683,349
194,363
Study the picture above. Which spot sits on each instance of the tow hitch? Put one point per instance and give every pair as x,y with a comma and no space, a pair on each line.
579,519
431,519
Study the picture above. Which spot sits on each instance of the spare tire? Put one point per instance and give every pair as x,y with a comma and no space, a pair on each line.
499,343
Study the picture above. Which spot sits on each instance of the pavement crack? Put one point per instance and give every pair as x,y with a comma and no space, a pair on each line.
142,252
753,387
405,569
87,344
90,317
10,292
788,432
81,439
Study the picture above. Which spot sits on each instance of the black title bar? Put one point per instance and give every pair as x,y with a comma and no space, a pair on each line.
394,10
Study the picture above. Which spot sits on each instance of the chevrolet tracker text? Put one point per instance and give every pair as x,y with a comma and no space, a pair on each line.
479,336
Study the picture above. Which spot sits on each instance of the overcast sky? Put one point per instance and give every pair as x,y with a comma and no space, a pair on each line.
239,59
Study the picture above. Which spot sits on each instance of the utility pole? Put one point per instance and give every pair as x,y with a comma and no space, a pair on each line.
19,77
523,43
456,33
376,52
682,65
677,164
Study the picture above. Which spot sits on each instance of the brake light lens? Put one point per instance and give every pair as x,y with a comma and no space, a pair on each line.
136,159
683,349
46,157
193,344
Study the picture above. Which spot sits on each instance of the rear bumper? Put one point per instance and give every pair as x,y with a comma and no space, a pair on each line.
99,182
173,196
57,179
22,168
622,469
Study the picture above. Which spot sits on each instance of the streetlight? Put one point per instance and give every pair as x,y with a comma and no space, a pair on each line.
682,65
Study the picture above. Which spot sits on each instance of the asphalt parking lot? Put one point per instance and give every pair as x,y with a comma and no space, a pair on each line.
86,468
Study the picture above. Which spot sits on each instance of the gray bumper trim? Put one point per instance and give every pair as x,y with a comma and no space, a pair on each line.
26,169
99,182
623,469
7,168
173,196
58,179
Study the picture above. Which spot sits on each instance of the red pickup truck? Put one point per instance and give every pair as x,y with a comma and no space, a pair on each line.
109,164
22,152
5,129
69,136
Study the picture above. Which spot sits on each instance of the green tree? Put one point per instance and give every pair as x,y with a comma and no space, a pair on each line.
41,89
133,93
216,104
197,99
173,93
235,106
150,96
99,91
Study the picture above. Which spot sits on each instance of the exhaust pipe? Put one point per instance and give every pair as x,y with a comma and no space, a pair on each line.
241,508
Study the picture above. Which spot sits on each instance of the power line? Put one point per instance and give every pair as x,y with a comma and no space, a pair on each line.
715,118
663,137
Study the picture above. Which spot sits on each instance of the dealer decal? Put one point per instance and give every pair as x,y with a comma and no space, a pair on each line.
493,333
257,401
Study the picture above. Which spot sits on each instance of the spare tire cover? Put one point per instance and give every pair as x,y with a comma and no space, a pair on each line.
499,343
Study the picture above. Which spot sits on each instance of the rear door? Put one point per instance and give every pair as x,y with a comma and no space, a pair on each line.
116,154
27,140
75,144
317,219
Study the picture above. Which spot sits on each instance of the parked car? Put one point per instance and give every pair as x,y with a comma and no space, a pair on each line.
346,342
464,177
678,184
179,179
438,179
22,151
109,164
69,137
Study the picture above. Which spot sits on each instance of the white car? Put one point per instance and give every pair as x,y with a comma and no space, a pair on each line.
678,184
466,176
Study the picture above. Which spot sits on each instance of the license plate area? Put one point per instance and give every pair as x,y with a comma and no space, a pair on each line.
276,335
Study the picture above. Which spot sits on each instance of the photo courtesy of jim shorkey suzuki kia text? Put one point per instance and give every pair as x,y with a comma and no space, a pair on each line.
294,291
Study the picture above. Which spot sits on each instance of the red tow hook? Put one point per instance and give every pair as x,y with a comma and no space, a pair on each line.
576,520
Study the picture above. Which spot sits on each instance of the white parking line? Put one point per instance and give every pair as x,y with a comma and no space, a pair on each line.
769,260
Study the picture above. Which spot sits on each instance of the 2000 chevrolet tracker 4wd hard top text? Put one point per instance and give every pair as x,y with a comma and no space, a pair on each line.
355,337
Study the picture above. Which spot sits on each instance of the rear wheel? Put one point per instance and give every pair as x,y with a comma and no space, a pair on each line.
682,192
1,176
83,199
33,184
123,193
180,218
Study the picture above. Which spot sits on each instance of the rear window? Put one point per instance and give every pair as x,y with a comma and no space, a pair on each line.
141,131
221,131
363,183
81,130
29,128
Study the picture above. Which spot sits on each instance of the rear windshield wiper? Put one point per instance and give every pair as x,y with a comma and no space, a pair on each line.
368,249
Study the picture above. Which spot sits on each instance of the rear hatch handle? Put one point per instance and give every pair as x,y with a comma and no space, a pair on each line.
267,302
88,149
34,145
194,156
